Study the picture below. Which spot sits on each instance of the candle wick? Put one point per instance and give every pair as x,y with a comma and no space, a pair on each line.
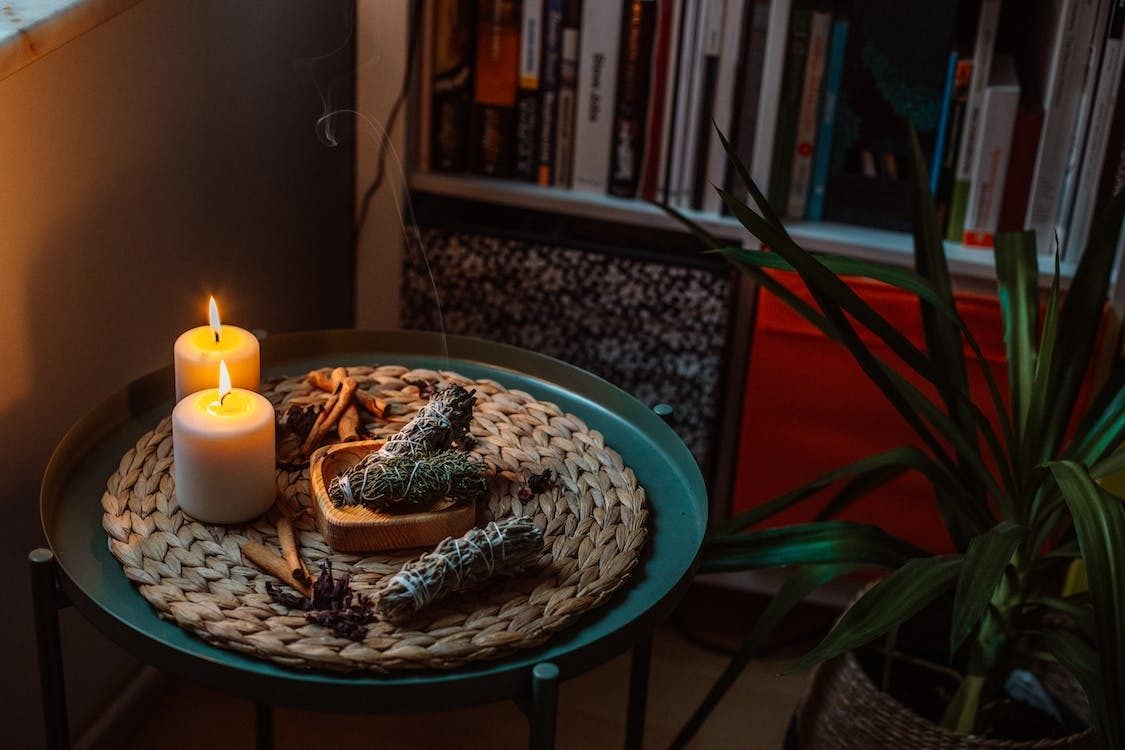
216,337
223,398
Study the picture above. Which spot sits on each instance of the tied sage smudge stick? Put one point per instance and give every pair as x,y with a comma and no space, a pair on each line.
415,466
501,548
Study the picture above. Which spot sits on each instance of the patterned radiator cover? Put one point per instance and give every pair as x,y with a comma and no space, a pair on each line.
655,329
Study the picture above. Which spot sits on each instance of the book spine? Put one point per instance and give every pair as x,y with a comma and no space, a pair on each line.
637,29
1059,115
1081,127
998,119
662,149
1017,183
807,119
493,126
452,84
699,136
987,23
597,81
657,101
685,69
833,75
948,167
750,87
943,123
773,66
549,81
568,92
1105,110
796,53
425,98
527,99
723,112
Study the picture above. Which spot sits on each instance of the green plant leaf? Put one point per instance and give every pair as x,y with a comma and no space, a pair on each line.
1077,608
908,281
943,338
857,488
1078,325
1102,427
900,595
1111,464
1085,664
759,200
800,584
1099,522
1037,406
980,577
902,458
807,544
1017,280
700,233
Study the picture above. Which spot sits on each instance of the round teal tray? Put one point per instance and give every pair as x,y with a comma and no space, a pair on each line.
75,479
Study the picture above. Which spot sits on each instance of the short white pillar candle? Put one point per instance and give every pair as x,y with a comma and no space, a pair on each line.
224,454
197,353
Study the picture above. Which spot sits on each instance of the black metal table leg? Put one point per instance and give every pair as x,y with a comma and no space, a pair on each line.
638,695
46,600
263,726
544,706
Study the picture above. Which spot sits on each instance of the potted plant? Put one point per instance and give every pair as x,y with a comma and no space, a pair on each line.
1020,499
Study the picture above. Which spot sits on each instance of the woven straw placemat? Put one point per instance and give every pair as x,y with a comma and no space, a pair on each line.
594,526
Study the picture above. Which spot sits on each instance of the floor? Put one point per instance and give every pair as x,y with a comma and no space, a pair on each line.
591,712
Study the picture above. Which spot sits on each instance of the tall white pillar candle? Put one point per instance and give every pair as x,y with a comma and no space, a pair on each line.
197,353
223,454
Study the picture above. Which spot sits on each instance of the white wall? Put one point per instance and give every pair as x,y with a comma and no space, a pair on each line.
168,153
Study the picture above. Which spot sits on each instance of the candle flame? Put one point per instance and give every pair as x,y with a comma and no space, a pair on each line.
213,314
224,380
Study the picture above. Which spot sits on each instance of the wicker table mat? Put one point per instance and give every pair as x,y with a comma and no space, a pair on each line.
594,527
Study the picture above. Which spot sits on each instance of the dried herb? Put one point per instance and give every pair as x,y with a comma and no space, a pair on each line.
537,484
297,420
385,482
436,425
500,548
333,604
426,388
467,442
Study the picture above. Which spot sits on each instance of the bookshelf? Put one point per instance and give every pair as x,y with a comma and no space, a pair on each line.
973,269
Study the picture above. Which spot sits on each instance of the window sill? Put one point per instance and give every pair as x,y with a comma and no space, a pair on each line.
29,29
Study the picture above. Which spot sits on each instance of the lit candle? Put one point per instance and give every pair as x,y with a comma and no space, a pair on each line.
197,353
223,453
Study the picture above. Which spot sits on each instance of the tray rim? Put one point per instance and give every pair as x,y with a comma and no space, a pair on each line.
663,465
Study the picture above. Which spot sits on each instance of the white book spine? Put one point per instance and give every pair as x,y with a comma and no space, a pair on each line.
809,115
1105,104
597,88
1064,84
773,69
998,121
987,24
724,102
684,80
564,125
707,44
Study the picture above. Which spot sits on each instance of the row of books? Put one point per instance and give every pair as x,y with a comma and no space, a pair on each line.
1015,102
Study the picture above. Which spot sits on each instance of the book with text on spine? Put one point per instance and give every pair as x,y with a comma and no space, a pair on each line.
527,100
493,127
549,82
597,86
637,28
997,123
800,170
452,85
568,92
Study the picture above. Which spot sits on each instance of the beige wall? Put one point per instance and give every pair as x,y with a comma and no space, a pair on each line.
168,153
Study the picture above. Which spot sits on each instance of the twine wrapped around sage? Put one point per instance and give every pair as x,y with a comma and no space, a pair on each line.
416,466
414,480
500,548
442,420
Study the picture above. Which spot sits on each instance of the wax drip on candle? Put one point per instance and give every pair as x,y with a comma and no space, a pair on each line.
213,314
224,381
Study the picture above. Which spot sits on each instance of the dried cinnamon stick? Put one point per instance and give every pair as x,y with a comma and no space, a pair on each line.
321,381
288,540
372,404
330,416
270,562
348,428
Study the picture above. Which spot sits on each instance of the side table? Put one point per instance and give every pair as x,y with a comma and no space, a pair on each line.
79,570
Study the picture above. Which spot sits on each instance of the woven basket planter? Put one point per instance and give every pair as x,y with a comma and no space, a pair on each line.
845,710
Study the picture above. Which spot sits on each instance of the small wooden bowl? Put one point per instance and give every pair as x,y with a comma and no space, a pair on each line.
356,528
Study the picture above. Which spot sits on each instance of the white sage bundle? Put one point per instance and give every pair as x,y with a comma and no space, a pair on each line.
502,548
442,420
